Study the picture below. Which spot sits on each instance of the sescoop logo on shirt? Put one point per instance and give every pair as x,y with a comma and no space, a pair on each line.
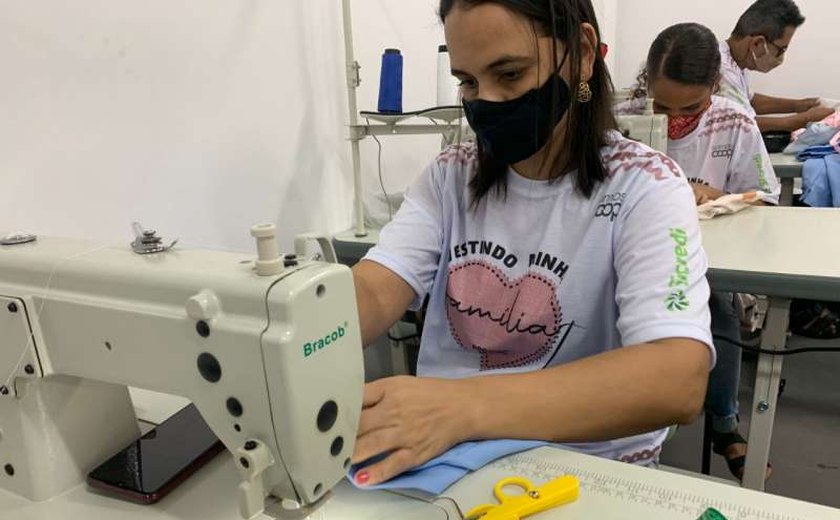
678,282
610,206
724,151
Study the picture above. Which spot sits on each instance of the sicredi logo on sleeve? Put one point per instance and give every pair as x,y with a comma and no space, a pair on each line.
678,282
315,345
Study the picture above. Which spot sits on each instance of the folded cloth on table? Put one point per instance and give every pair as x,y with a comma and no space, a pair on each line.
728,204
830,103
443,471
816,134
816,152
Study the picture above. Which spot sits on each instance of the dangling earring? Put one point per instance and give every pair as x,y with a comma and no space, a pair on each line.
584,94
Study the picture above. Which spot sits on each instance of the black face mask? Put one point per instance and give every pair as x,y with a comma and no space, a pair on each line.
511,131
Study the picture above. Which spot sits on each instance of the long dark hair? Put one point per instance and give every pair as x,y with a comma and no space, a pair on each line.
587,123
687,53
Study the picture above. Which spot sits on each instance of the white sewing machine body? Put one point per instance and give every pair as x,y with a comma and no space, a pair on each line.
649,128
273,363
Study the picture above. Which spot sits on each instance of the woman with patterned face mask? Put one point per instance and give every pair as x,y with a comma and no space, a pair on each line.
713,139
562,263
719,147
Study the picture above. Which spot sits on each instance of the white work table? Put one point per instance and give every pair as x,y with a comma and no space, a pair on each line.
750,251
609,491
790,252
782,253
787,169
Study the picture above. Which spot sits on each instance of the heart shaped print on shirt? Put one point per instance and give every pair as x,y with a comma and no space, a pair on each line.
512,323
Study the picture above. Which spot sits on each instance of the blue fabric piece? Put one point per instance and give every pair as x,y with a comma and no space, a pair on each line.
443,471
815,152
815,134
815,190
821,182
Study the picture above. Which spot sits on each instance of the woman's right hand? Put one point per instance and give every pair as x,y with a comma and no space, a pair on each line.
704,194
412,420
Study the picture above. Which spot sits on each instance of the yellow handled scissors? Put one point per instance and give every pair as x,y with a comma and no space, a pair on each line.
534,500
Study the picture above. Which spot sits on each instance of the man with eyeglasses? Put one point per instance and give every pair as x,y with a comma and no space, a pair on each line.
759,43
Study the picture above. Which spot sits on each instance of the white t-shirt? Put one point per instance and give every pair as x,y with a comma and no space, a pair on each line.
544,276
725,151
734,83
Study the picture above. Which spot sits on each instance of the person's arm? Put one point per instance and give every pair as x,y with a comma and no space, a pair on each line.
617,394
803,111
398,272
793,122
382,298
624,392
764,105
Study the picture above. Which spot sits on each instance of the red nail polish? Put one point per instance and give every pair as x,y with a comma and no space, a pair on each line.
362,477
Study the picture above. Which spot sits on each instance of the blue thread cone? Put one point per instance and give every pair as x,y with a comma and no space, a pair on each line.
390,82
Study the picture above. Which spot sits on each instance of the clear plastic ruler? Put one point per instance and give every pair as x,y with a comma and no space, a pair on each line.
613,490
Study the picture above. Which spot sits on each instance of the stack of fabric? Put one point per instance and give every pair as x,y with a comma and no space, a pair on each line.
818,146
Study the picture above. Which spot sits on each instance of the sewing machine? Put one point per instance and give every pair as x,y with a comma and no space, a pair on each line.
268,349
648,128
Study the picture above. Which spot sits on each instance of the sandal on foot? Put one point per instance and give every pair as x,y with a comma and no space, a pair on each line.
721,442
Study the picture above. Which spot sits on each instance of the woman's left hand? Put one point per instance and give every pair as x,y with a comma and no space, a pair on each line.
413,419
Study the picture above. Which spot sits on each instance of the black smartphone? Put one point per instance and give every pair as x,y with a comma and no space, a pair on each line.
156,463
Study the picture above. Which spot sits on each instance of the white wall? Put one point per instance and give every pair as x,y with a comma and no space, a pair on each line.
197,118
810,68
607,12
200,119
413,27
